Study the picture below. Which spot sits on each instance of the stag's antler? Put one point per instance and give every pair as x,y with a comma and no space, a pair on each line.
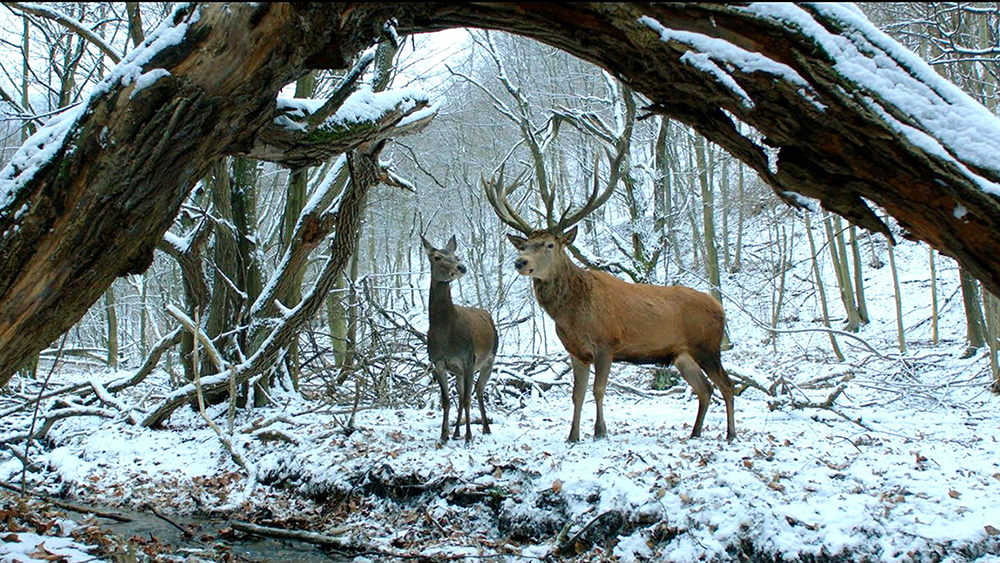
596,198
497,194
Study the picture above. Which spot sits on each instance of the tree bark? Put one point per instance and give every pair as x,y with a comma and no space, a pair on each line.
97,208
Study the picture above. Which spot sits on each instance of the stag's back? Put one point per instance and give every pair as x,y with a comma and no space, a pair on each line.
639,323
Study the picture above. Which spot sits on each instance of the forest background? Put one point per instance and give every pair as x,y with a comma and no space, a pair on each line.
817,308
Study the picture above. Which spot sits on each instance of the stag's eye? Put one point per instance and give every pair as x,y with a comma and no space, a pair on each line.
436,258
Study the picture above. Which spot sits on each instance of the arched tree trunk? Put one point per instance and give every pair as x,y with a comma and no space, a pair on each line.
88,199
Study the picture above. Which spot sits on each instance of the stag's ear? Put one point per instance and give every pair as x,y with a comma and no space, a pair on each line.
569,237
518,242
427,246
452,244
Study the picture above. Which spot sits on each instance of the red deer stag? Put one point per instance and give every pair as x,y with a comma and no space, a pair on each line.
600,318
460,340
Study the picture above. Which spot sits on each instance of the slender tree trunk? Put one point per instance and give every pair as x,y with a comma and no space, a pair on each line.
934,297
143,315
778,297
838,255
821,290
974,324
295,201
859,282
28,128
662,213
135,23
740,210
900,333
708,219
726,201
112,326
991,309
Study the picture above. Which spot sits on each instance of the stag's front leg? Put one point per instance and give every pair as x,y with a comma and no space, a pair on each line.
581,373
442,378
602,367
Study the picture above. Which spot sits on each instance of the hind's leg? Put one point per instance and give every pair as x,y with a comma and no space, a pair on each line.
460,384
442,378
467,405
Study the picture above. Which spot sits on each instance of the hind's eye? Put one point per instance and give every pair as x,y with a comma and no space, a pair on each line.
436,258
552,245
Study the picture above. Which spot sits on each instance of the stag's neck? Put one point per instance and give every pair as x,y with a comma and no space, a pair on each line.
563,292
440,307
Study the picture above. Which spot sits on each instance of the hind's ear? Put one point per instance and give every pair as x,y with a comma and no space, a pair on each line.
518,242
452,244
427,246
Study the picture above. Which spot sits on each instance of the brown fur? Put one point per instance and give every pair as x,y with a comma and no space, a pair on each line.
600,318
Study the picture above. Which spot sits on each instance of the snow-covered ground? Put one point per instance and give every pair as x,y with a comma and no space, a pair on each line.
903,467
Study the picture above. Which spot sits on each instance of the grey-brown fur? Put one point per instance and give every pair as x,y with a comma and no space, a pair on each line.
460,340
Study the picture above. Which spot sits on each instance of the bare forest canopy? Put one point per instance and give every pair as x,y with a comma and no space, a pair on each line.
814,98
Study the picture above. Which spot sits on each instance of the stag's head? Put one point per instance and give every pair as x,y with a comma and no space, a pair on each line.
445,265
540,251
544,249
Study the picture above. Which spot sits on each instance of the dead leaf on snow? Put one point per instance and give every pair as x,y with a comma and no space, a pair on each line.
990,530
43,554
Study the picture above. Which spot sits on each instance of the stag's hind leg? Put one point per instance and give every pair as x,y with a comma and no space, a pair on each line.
721,379
699,383
484,377
602,367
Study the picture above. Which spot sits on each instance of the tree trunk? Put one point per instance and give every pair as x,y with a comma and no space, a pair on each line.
859,280
708,219
112,326
975,326
900,331
821,290
838,255
934,297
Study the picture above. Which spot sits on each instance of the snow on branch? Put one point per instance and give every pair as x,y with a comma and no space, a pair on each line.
292,139
901,82
70,23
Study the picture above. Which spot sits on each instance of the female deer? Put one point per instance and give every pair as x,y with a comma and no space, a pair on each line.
460,340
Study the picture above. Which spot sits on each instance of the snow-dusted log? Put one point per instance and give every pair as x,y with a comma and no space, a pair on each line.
813,97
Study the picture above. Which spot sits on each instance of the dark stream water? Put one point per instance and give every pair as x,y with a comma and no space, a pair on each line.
203,537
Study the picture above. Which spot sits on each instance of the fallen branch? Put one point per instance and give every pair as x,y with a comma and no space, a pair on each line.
298,535
165,343
567,547
69,505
